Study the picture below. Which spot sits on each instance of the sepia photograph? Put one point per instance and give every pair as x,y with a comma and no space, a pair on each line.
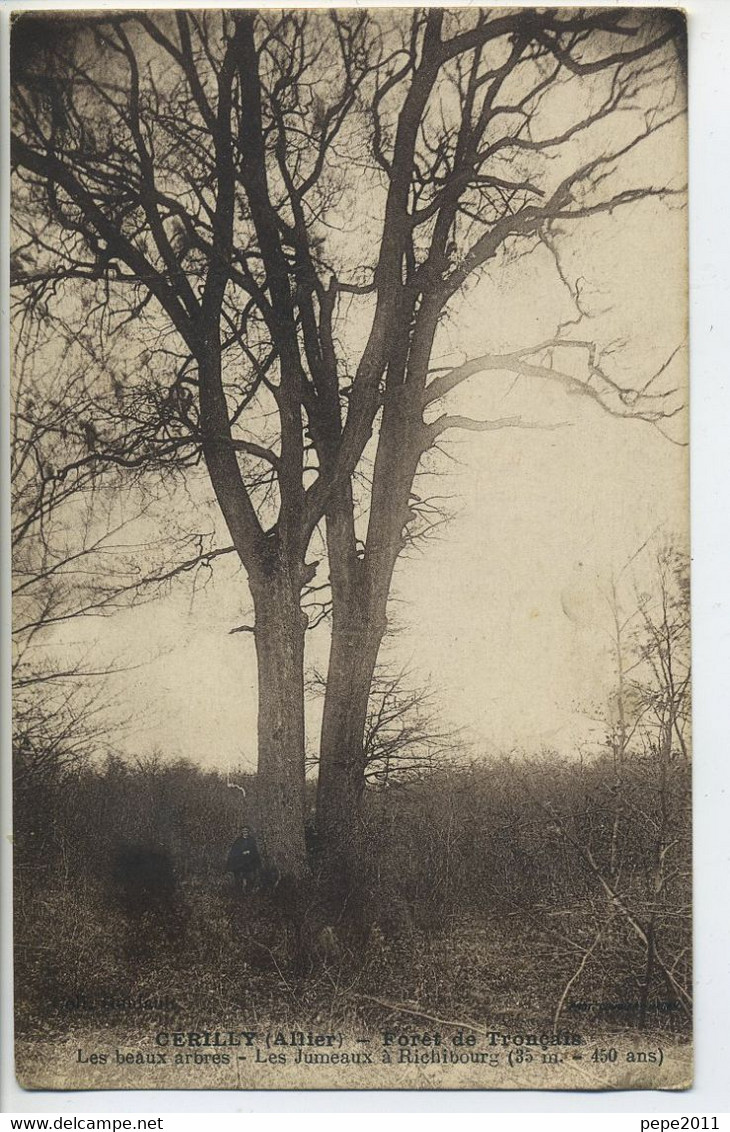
350,549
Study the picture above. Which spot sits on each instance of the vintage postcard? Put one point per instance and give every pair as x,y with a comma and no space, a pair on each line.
351,727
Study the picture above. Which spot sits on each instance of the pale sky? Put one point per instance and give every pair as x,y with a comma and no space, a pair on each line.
504,615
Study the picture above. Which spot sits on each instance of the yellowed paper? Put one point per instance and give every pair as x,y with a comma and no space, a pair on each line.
350,549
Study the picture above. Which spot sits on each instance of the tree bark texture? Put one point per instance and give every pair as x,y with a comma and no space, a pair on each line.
360,591
279,635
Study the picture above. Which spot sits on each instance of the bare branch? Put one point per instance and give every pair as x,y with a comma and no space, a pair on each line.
441,424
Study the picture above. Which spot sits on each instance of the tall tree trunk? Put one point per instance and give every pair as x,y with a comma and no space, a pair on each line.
356,641
360,590
276,574
341,749
280,628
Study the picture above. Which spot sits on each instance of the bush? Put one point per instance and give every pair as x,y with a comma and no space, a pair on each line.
485,890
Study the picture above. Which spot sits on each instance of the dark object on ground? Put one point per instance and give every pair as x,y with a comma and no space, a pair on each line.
144,878
244,860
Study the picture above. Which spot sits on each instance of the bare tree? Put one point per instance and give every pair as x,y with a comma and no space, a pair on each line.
405,740
660,694
634,838
84,545
184,187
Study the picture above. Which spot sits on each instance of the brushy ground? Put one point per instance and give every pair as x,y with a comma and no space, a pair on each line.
524,894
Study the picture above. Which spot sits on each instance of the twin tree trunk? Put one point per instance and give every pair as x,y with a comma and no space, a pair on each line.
357,634
360,590
279,636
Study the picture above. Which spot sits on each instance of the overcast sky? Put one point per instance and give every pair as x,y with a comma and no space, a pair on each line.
504,615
